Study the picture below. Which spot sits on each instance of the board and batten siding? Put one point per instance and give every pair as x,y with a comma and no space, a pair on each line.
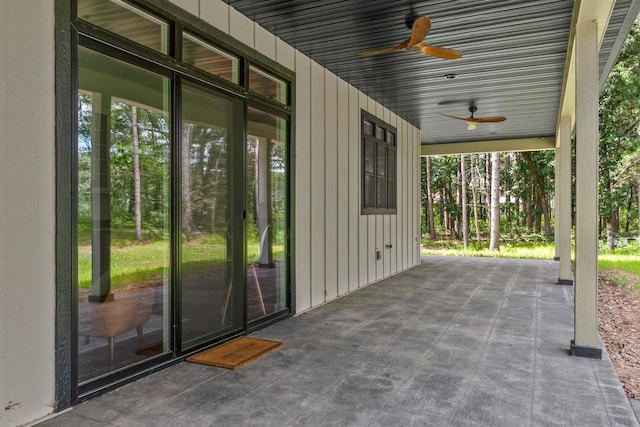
334,246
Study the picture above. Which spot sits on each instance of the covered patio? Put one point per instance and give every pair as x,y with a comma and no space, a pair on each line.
453,341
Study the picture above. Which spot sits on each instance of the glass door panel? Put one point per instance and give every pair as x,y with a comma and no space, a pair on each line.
123,161
266,214
209,296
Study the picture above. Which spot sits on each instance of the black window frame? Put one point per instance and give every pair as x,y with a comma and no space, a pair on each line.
389,175
72,32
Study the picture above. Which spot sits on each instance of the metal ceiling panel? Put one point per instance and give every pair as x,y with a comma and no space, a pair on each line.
513,64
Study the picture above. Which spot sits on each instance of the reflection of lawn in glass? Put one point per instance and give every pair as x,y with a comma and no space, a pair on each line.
136,263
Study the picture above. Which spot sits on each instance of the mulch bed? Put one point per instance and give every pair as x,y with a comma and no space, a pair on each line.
619,325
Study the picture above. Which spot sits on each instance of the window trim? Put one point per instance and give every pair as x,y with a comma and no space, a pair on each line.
378,143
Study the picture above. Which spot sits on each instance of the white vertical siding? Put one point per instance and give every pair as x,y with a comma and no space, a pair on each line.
393,219
342,153
354,188
364,254
386,227
241,27
215,12
372,257
264,42
318,235
285,54
406,173
379,219
331,184
302,184
400,201
191,6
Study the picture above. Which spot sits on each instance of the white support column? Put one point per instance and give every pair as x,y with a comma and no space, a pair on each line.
556,207
585,342
563,201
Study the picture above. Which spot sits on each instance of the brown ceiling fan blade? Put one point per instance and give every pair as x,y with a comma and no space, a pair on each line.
464,119
440,52
419,30
384,50
487,119
401,46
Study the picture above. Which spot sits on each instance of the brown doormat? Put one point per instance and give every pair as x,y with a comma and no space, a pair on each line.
236,353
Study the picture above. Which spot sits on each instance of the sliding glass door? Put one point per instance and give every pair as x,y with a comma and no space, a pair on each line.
174,185
123,209
211,300
266,233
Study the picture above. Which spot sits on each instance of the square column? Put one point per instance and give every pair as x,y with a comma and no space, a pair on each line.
556,208
563,201
585,342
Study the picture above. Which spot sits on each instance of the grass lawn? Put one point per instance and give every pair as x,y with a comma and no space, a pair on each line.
625,259
507,249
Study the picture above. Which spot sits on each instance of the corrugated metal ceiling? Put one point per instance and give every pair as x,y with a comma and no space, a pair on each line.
513,63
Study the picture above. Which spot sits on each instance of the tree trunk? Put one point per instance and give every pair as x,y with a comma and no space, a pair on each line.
463,196
449,214
538,217
214,193
431,222
136,173
475,180
487,188
188,227
507,196
627,218
441,210
540,192
638,194
494,244
458,211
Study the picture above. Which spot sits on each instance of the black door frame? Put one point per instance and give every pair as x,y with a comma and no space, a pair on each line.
68,34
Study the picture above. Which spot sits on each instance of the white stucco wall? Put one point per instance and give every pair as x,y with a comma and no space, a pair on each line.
27,211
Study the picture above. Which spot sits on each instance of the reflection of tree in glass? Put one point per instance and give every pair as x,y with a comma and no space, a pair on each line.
204,210
153,166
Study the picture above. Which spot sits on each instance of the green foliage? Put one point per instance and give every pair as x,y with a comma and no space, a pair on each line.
619,126
521,196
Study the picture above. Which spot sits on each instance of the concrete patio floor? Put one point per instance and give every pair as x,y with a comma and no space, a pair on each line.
454,341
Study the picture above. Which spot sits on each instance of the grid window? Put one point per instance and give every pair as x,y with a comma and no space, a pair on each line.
378,166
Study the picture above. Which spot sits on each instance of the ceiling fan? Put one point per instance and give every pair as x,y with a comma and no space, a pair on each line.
471,121
419,30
